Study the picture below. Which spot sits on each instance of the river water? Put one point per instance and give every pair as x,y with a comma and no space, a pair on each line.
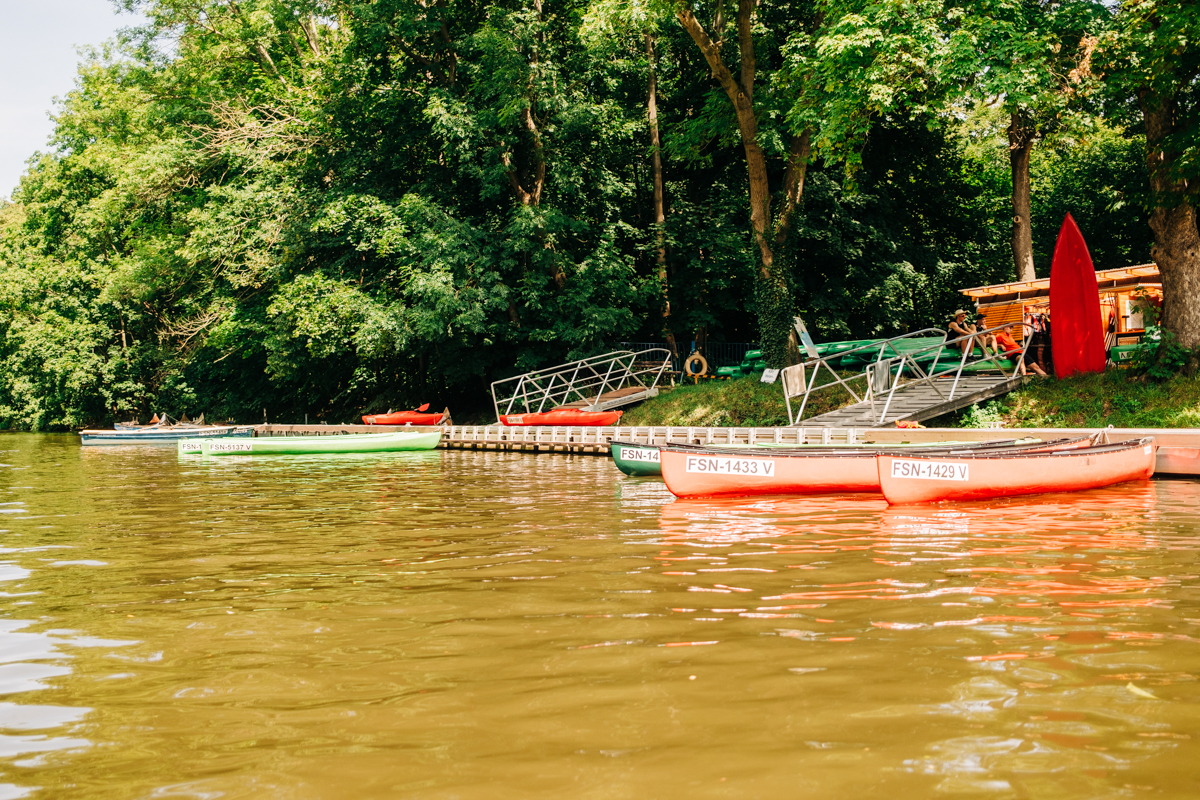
470,625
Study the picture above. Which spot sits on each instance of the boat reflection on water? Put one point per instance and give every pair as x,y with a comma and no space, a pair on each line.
1037,636
774,518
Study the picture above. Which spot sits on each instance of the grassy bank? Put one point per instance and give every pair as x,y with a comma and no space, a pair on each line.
742,402
1115,398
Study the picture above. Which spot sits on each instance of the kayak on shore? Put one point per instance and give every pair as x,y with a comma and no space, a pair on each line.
710,472
297,445
561,417
929,478
417,417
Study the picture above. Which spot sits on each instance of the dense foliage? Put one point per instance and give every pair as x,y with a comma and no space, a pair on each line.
324,206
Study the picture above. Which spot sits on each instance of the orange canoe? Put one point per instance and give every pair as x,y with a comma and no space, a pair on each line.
563,416
693,472
981,476
711,472
406,418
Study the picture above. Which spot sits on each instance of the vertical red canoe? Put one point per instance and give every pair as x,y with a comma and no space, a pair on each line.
1076,333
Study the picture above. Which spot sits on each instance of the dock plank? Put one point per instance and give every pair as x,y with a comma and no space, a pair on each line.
917,402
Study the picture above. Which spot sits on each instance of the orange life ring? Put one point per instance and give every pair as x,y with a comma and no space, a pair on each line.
695,358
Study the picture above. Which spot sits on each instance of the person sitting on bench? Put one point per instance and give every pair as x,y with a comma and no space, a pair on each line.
962,331
1007,346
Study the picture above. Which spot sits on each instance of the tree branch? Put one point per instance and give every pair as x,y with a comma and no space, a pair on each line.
713,56
799,150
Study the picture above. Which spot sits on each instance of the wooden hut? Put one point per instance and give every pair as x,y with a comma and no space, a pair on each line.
1124,294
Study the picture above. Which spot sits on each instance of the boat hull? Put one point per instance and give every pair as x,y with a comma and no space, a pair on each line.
700,473
636,459
303,445
162,435
706,472
561,417
1078,340
934,478
643,459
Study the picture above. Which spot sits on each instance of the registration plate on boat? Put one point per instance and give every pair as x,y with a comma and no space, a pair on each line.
230,447
761,467
930,470
635,454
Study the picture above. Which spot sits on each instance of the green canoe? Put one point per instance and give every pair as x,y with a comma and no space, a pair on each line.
636,459
643,459
295,445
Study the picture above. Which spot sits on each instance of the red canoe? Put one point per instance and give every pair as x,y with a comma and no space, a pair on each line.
407,418
1076,333
563,416
980,476
701,472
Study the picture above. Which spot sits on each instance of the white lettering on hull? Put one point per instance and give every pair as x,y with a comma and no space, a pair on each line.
930,470
748,467
230,447
638,454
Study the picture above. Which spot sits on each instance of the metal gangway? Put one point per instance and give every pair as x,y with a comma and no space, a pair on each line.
598,383
896,387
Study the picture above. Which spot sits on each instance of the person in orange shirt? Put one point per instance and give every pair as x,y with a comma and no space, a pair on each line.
1007,346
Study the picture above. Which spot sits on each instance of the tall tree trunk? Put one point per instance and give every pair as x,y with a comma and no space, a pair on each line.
773,295
660,215
742,98
1020,145
1173,220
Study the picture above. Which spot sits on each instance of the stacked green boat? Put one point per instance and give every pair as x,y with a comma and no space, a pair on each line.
752,361
299,445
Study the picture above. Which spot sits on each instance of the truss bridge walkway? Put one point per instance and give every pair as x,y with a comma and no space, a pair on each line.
909,378
599,383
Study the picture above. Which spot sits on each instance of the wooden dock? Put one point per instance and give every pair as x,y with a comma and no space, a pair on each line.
917,402
1178,451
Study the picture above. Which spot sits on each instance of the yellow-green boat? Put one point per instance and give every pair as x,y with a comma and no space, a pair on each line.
299,445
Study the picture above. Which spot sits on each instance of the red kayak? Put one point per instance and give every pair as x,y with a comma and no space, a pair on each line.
981,476
701,472
407,417
1077,333
563,416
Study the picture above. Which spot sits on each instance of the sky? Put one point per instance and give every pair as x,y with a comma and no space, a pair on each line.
38,60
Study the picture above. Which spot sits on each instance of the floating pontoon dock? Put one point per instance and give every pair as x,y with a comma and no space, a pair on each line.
1178,452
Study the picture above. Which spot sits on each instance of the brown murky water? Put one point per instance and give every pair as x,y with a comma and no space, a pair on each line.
488,625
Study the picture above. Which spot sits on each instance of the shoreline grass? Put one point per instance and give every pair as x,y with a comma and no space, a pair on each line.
741,402
1117,397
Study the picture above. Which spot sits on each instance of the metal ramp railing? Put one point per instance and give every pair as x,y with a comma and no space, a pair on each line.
885,378
598,383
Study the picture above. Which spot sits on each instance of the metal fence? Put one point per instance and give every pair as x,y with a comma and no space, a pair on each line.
717,354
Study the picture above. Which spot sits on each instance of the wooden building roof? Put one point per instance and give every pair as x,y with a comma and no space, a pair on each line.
1108,280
